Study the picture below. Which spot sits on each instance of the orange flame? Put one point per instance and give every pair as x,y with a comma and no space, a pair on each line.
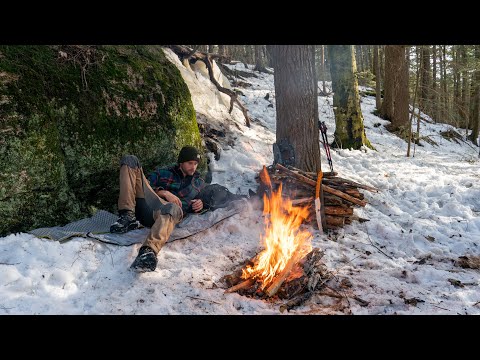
283,236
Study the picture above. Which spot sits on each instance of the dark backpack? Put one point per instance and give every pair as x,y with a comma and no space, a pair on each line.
215,196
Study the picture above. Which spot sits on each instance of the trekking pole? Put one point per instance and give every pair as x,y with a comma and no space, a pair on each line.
323,129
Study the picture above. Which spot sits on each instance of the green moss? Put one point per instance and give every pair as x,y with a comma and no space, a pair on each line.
66,123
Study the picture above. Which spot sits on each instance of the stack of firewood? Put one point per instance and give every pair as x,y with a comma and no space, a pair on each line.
338,195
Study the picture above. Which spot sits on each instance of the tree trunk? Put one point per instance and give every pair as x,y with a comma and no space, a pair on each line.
323,70
381,60
359,57
445,93
471,107
259,59
464,77
370,59
401,94
349,130
269,55
378,74
456,85
234,51
366,54
389,83
441,97
434,108
475,121
425,80
413,107
297,103
249,54
221,50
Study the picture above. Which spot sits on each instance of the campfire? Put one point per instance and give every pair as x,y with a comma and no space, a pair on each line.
288,267
285,242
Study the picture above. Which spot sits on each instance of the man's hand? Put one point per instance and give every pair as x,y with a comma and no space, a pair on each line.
197,205
171,198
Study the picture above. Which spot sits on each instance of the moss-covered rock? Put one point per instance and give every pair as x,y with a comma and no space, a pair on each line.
68,114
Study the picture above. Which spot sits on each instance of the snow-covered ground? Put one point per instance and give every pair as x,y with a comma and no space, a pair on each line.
403,261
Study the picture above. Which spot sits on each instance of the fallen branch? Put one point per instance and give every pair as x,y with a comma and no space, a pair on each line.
440,307
376,247
197,298
296,301
244,284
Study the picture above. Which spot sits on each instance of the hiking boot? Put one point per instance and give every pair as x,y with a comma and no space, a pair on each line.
126,222
146,260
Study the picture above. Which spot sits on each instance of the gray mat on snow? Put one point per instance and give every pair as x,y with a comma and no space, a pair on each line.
98,226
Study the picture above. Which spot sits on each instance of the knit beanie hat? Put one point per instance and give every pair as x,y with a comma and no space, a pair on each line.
188,153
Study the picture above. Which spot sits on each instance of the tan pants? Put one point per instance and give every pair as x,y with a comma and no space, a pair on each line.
133,184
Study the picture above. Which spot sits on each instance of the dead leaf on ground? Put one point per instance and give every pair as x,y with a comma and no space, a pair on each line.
430,238
456,283
361,301
346,283
413,301
468,262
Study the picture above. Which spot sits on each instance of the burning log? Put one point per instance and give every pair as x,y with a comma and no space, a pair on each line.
273,288
243,285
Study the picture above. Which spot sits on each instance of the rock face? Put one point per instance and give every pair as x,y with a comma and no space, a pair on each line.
68,114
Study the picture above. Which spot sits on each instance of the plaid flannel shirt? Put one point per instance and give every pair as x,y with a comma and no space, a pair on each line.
171,179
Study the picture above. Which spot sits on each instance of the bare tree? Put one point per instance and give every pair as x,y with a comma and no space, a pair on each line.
297,103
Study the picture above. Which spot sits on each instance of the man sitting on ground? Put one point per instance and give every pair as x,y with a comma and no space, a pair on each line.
162,201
